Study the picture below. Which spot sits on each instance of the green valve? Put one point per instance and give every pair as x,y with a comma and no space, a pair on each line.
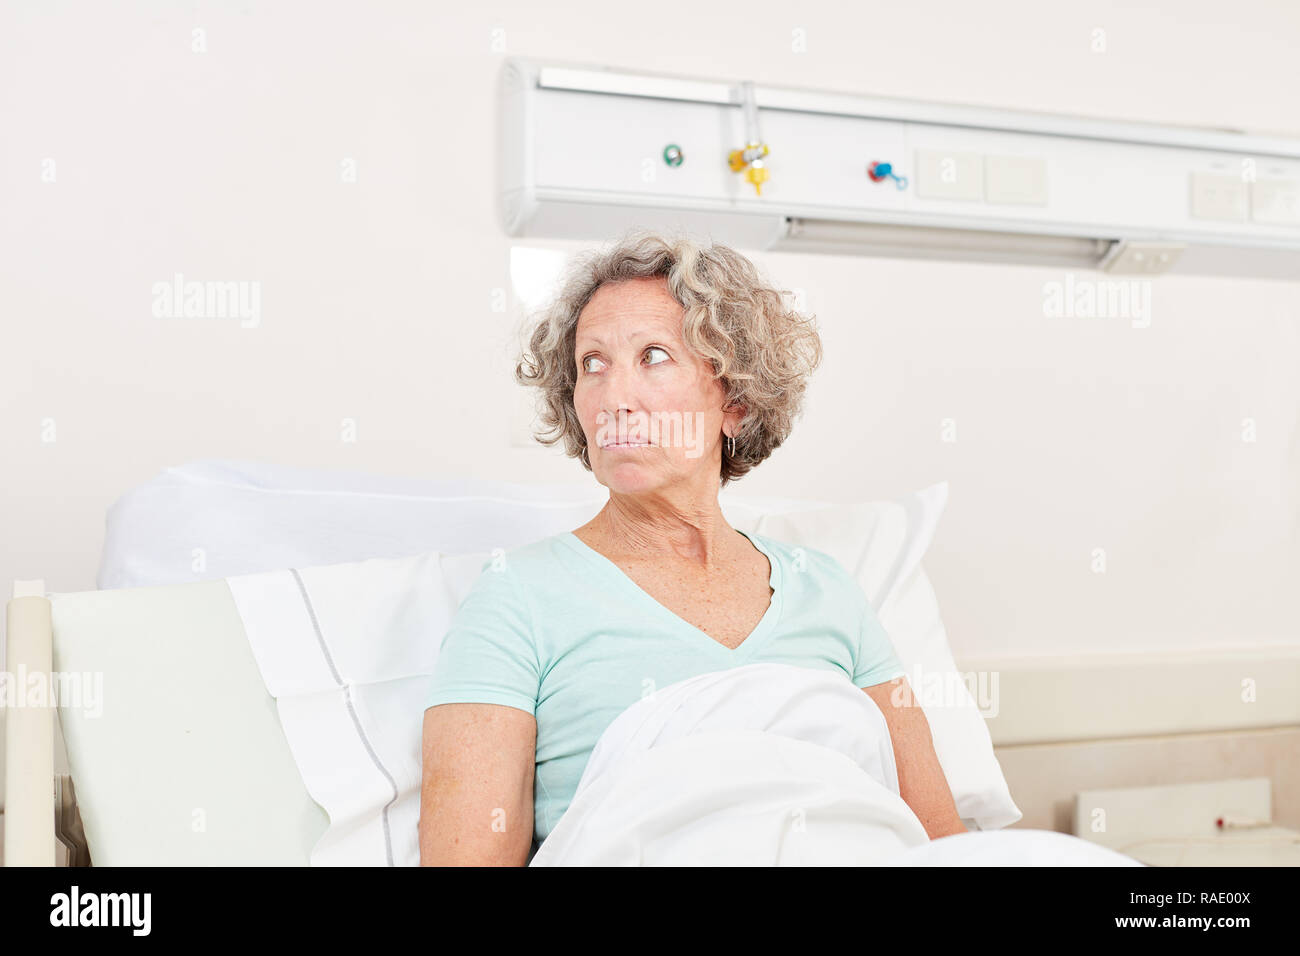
673,155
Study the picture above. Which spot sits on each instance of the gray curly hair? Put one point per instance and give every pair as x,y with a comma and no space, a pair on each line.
762,350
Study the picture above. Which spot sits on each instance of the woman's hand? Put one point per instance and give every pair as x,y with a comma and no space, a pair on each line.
921,782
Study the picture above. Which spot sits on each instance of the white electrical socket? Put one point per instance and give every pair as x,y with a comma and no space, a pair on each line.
941,174
1275,200
1222,198
1015,180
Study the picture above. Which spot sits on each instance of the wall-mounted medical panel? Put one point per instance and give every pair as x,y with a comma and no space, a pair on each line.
588,152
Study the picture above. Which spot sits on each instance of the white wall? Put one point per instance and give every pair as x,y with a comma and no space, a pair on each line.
377,296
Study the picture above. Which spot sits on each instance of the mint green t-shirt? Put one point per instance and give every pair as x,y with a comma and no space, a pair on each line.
558,630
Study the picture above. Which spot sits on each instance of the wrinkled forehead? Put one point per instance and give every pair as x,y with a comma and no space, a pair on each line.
628,311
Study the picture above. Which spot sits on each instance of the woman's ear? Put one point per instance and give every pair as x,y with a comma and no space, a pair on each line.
732,415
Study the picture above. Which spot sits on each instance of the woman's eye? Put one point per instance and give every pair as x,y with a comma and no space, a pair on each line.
587,366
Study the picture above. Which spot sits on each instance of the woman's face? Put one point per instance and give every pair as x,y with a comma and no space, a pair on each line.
650,408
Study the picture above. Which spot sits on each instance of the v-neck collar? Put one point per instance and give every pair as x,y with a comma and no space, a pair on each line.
757,636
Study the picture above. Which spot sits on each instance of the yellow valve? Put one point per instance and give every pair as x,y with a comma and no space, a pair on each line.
750,159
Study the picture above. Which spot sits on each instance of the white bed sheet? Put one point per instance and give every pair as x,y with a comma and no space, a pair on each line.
767,765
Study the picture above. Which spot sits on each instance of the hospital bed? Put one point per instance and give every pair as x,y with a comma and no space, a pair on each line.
210,742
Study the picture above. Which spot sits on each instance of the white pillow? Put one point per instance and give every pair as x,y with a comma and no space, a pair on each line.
957,724
213,519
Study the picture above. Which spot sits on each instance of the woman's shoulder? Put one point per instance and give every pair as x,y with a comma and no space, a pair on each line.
798,555
818,572
507,580
524,564
818,565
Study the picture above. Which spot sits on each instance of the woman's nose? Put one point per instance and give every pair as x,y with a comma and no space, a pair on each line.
619,390
619,416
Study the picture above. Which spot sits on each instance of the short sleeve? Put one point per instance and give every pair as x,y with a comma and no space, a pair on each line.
489,653
877,661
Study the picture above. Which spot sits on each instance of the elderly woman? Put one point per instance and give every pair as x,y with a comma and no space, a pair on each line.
670,369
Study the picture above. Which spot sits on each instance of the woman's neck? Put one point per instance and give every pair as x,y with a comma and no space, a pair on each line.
640,530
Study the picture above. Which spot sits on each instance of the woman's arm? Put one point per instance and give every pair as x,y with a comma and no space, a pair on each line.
476,798
921,782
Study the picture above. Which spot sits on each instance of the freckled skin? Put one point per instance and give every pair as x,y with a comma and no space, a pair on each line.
663,526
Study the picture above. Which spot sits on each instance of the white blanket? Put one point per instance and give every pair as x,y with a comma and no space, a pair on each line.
766,765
